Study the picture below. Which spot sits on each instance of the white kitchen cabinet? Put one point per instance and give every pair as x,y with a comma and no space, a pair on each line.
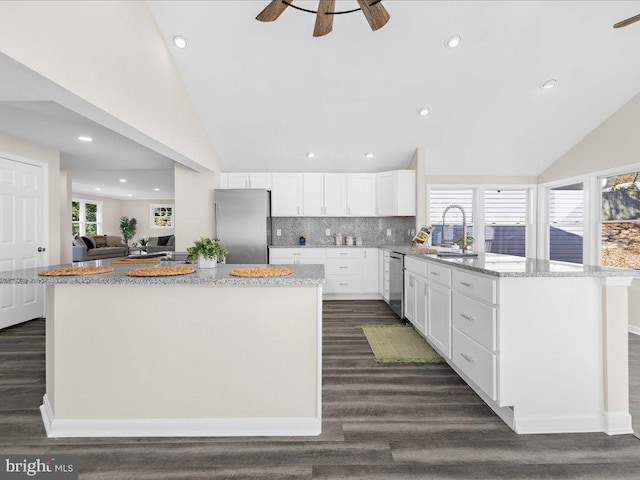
361,195
286,194
313,194
386,283
324,195
370,270
439,317
245,180
396,193
409,300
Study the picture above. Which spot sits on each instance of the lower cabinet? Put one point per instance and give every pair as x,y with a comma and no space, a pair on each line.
439,315
416,301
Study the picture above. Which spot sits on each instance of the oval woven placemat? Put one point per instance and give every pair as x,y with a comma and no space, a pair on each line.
127,261
68,271
160,271
260,272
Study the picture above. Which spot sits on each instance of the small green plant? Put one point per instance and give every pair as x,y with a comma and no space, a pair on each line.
143,241
208,248
458,240
128,228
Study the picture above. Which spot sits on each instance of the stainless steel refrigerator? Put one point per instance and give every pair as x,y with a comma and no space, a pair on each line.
243,224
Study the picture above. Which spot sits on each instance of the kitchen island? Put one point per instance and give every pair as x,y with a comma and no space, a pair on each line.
543,343
204,354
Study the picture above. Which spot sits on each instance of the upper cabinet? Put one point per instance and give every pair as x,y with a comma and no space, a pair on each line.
324,195
396,193
246,180
286,194
385,194
361,195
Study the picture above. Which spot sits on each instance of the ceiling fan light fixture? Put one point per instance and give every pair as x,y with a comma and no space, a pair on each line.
423,111
549,84
179,41
453,41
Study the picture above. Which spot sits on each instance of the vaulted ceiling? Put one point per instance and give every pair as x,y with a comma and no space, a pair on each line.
269,93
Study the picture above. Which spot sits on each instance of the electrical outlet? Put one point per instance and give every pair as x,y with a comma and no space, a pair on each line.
388,232
327,232
278,232
413,232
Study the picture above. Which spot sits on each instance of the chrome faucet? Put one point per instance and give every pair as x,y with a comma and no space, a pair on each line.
465,245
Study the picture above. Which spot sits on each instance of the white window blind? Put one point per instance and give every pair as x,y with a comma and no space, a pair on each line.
566,223
505,215
439,200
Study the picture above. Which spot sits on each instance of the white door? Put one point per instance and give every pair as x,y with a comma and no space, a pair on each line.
335,195
313,194
361,195
22,223
286,195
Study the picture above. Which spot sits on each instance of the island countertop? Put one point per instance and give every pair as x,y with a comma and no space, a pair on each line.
511,266
303,275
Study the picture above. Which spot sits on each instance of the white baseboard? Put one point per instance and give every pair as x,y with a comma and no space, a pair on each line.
617,423
633,329
178,427
558,424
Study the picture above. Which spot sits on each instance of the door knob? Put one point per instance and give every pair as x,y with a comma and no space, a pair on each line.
41,249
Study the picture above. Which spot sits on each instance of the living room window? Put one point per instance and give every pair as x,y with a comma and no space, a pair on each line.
620,220
86,217
505,219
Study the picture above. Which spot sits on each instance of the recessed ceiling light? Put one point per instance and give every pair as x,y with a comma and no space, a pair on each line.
97,189
453,41
123,180
423,111
549,84
369,154
179,41
311,155
156,189
129,195
85,139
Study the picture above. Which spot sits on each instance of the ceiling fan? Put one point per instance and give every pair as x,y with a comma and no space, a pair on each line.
628,21
374,12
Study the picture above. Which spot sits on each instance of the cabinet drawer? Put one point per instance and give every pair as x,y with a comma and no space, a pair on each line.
419,267
475,319
345,253
482,288
344,266
439,273
476,362
344,284
277,253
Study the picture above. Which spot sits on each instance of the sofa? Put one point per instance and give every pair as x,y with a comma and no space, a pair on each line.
97,247
161,244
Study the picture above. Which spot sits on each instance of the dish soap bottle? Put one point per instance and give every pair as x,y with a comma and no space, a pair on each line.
303,240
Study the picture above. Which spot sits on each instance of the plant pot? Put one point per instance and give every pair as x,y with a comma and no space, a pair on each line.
207,262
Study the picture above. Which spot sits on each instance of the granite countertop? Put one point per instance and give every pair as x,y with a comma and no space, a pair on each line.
303,275
512,266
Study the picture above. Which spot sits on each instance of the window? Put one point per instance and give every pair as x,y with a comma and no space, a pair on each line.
505,219
620,217
439,200
566,223
86,217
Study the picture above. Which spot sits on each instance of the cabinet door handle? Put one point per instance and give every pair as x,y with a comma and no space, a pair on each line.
298,210
348,210
467,357
343,284
296,254
467,317
343,253
466,284
343,267
435,274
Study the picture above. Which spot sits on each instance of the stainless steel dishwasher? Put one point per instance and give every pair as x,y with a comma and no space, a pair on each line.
396,283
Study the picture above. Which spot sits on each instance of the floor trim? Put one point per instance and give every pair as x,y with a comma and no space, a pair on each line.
178,427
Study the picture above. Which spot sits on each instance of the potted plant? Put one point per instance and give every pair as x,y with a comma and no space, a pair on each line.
128,228
143,243
208,252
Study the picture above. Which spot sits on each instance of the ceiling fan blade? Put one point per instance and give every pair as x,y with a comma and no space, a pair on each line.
324,22
626,22
272,11
376,14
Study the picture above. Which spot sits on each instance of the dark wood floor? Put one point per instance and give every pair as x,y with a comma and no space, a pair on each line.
402,421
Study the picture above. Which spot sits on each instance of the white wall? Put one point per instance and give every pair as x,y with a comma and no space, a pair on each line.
108,61
14,148
139,209
418,163
111,212
194,205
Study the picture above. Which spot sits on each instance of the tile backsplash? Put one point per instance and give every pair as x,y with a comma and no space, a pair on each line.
372,230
